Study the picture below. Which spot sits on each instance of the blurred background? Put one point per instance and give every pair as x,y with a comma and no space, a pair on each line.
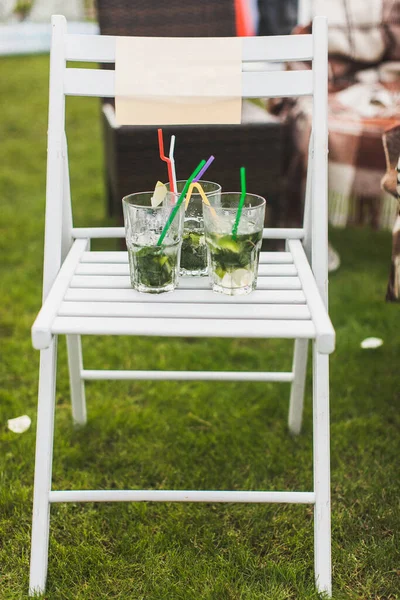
364,50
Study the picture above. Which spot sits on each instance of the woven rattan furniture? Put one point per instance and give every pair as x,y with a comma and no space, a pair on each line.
131,153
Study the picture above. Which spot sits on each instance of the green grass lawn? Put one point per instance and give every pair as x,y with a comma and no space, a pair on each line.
187,435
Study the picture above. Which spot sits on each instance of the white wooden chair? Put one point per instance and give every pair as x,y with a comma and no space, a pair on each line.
88,293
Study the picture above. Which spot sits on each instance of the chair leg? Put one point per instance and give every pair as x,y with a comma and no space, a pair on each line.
322,510
76,383
298,385
43,468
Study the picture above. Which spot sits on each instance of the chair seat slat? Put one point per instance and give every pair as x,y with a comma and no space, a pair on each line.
184,296
271,233
271,258
185,283
113,269
190,311
229,328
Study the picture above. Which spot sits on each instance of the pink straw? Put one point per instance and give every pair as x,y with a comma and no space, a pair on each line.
204,169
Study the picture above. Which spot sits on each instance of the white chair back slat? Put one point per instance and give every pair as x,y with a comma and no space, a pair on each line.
279,48
277,84
272,84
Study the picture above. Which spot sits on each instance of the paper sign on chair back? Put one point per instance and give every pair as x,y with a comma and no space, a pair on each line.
178,81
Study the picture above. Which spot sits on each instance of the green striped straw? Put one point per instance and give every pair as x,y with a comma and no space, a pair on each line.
178,204
241,202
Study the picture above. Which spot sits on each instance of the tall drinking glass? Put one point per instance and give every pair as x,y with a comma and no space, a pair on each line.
233,257
153,268
194,251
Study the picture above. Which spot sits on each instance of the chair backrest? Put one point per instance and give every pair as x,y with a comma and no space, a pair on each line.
178,18
67,81
175,18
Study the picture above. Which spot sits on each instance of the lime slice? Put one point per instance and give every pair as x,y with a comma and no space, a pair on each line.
220,272
163,260
227,243
160,191
242,278
227,280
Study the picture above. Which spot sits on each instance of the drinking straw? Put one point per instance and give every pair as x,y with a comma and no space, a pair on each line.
241,201
172,159
165,159
178,204
204,169
199,188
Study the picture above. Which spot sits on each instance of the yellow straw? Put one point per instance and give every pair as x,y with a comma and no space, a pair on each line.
202,194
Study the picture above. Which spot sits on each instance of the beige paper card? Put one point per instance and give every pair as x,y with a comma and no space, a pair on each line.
178,81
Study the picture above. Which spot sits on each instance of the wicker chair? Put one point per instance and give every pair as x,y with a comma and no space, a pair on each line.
131,153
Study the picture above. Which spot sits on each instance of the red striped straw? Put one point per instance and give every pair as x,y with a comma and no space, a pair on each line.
166,159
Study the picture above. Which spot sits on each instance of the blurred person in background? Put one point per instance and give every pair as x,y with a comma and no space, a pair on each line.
277,17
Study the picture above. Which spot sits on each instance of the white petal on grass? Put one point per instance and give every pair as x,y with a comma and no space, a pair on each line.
370,343
19,424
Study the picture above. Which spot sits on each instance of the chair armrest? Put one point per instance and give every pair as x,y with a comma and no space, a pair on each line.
41,329
319,314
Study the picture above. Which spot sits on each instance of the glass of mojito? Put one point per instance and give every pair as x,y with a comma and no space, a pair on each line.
233,257
153,268
194,251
